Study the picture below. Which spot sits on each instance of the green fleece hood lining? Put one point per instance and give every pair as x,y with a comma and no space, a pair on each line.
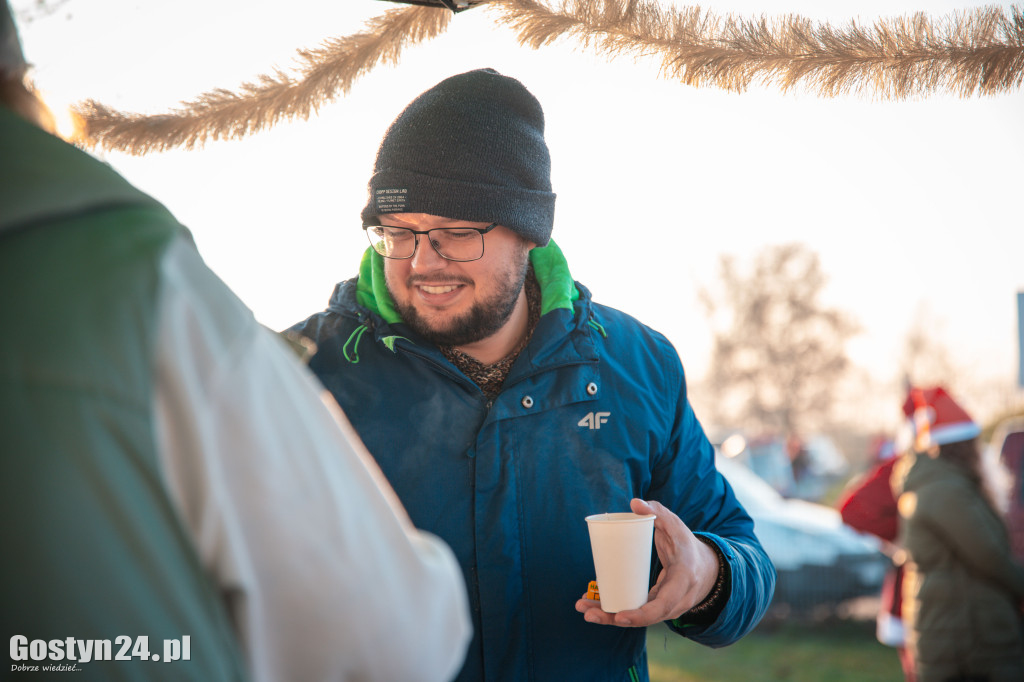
372,291
556,284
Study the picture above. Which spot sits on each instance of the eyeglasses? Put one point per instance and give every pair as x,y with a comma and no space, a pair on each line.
451,243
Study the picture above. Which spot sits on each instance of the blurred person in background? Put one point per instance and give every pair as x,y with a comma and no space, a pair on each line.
169,469
868,504
963,590
1008,442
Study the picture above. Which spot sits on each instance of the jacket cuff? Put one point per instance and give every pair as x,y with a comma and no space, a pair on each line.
708,610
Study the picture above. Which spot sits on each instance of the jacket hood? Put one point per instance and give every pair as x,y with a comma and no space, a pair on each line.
43,178
558,290
918,469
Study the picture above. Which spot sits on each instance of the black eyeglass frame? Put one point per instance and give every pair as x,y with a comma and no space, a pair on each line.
416,233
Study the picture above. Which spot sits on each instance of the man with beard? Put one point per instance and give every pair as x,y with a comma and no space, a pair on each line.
504,405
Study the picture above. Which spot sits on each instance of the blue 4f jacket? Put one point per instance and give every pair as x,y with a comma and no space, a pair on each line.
593,413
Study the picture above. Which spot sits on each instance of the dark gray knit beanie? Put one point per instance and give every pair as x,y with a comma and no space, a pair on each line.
470,148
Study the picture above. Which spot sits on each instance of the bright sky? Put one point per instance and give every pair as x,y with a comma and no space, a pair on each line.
908,204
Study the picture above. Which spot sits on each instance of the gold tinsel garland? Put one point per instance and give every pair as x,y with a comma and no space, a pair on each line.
978,51
326,72
972,52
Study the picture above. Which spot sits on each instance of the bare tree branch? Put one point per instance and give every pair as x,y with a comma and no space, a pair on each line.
777,360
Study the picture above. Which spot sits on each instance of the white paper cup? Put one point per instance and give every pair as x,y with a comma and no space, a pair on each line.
621,544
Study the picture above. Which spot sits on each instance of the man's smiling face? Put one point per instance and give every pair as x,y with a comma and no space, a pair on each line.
456,303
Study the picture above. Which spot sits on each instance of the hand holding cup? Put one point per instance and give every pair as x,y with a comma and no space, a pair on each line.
689,571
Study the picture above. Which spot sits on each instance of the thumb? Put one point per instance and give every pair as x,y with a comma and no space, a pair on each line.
639,506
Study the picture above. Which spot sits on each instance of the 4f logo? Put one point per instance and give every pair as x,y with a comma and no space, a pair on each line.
593,420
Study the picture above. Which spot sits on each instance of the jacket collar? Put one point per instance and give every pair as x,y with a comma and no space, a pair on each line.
565,309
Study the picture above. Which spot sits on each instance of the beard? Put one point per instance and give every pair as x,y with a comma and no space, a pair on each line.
483,319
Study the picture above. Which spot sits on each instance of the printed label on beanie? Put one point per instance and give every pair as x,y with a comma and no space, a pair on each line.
391,199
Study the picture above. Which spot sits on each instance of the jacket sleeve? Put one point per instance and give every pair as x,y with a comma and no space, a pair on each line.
686,480
323,574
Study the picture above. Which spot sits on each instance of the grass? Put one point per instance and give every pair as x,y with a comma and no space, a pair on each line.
837,650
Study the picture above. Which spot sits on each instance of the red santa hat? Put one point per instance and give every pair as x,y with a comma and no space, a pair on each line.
934,418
